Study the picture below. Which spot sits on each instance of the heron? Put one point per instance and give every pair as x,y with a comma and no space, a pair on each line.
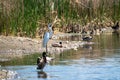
47,36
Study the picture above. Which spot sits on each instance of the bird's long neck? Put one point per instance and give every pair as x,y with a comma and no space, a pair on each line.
46,48
45,60
38,61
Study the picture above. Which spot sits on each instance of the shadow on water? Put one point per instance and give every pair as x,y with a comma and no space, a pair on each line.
116,35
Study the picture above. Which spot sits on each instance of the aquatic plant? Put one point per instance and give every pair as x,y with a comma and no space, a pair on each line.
22,17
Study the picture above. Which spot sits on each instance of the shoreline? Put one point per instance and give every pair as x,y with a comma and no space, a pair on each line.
11,47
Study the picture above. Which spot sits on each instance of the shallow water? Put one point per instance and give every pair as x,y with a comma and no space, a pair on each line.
99,61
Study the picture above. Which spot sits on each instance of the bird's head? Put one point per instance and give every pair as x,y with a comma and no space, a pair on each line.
117,23
49,25
60,42
44,54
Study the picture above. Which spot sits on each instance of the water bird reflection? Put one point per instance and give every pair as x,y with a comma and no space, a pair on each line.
116,27
41,74
116,33
87,38
87,46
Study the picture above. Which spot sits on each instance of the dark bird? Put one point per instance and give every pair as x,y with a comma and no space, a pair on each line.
41,62
116,27
87,38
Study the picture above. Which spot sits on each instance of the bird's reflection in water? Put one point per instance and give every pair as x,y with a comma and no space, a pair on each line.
116,34
41,74
87,46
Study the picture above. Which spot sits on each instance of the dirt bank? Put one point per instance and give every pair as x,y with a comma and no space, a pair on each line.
11,47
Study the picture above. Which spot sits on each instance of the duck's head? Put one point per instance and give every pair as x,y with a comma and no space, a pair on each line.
44,54
117,22
60,43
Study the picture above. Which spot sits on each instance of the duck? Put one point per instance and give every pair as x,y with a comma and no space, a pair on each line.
87,38
116,27
57,45
41,62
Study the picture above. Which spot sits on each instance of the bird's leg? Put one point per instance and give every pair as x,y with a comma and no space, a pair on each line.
46,49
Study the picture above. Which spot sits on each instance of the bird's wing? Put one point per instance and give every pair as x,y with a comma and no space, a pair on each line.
41,60
51,33
49,59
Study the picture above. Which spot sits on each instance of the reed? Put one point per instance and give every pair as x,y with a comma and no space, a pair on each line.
119,11
22,16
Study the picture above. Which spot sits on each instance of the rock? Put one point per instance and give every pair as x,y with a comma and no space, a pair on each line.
8,75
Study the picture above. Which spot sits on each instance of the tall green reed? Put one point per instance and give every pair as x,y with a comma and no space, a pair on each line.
25,14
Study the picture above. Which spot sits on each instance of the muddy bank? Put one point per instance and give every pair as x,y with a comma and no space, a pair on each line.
18,46
11,47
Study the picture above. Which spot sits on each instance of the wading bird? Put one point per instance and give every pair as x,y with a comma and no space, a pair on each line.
47,36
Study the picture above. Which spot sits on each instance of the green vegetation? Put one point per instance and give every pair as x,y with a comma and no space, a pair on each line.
24,17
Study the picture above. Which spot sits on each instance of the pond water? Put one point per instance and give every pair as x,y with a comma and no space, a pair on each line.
99,61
